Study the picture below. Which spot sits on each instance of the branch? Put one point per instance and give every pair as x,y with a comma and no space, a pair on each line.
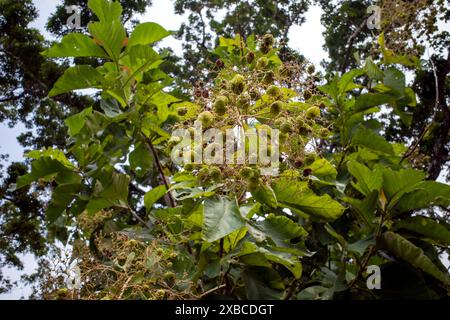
350,44
439,152
171,203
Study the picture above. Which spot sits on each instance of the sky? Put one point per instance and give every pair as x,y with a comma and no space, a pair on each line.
306,38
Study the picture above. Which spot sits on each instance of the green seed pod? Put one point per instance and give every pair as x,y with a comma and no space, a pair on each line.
220,105
268,40
206,118
246,173
237,84
286,127
279,122
215,173
324,132
311,69
250,57
307,95
268,78
276,107
262,63
265,49
274,91
182,111
243,101
300,121
203,173
309,158
255,95
298,162
313,112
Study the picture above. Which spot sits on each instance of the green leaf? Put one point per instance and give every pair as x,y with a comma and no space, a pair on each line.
369,139
368,180
397,181
75,78
111,189
263,283
407,251
141,160
265,195
147,33
75,45
280,229
154,195
51,153
111,36
62,196
372,70
76,122
346,82
426,227
296,195
106,10
221,217
43,168
395,80
370,100
422,195
323,169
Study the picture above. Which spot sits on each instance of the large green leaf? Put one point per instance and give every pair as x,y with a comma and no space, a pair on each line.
395,79
426,227
76,45
106,10
263,283
368,180
42,168
397,181
346,82
75,78
62,196
221,217
370,100
147,33
76,122
407,251
251,254
111,189
265,195
422,195
323,169
280,229
296,195
154,195
111,36
369,139
372,70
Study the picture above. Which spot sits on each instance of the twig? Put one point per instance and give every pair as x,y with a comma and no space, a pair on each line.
172,203
204,294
